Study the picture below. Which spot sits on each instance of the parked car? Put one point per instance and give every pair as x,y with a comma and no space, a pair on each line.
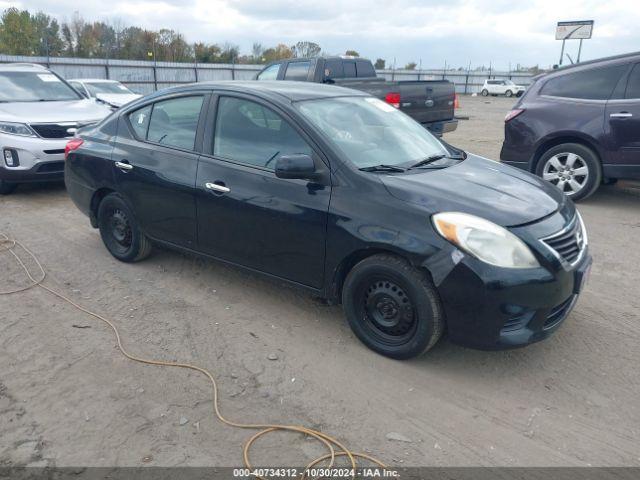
579,126
336,191
502,87
429,102
111,92
39,112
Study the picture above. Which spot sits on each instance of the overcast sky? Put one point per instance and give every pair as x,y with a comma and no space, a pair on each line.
434,31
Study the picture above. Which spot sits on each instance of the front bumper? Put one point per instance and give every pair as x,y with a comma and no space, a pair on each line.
40,159
493,308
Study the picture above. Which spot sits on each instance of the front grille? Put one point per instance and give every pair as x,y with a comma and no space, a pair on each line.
56,151
51,167
569,243
558,313
55,130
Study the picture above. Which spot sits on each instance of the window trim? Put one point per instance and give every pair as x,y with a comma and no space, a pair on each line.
209,130
197,143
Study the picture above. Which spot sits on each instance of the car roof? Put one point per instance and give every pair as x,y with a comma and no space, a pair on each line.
275,90
612,60
22,67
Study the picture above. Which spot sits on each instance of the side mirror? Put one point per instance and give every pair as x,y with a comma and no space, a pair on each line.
299,166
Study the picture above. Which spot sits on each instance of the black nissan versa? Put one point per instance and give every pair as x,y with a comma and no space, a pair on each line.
339,192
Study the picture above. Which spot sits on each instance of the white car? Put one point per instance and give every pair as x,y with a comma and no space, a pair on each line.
110,92
502,87
39,112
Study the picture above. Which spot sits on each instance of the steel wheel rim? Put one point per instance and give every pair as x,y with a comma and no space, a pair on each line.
567,171
388,312
120,231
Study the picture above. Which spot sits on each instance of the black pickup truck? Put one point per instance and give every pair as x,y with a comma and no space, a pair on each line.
430,102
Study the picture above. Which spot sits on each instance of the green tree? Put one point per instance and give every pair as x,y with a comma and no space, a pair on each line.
47,35
17,33
380,64
351,53
410,66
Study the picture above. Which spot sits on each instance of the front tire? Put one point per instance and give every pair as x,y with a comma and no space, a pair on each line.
508,93
392,307
485,92
6,188
120,231
573,168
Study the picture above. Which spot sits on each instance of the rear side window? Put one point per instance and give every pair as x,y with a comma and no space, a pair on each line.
633,86
249,133
139,120
349,69
365,69
270,73
596,84
297,71
174,122
333,69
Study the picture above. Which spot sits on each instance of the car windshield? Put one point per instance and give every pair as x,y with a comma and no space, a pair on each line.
509,82
34,87
107,87
370,132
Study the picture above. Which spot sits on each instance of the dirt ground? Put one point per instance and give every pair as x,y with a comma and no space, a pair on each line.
67,397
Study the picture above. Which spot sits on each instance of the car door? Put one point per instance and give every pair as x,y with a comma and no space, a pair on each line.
155,162
622,122
247,215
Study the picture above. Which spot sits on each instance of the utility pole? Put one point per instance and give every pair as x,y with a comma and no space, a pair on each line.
562,51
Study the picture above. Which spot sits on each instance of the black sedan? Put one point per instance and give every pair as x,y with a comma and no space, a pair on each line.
337,192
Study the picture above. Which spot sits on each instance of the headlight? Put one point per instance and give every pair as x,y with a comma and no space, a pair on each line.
16,129
485,240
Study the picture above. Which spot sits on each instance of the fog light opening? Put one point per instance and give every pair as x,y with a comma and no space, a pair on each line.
11,157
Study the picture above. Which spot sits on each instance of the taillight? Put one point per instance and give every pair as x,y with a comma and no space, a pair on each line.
393,99
72,145
456,101
513,114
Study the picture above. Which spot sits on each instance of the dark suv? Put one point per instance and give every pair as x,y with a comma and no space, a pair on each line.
579,126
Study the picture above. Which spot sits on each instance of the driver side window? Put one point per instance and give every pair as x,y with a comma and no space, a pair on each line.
249,133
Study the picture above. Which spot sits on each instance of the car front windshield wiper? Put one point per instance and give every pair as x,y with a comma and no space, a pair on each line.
382,168
434,158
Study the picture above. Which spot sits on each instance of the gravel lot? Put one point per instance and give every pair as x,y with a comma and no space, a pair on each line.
67,397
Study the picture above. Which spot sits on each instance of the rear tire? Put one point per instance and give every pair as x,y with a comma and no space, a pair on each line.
120,231
508,93
582,177
392,307
6,187
484,92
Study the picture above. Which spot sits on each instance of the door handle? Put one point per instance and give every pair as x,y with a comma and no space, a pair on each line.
124,166
621,115
216,187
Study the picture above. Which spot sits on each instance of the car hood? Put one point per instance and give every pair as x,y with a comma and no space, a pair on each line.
53,112
117,99
500,193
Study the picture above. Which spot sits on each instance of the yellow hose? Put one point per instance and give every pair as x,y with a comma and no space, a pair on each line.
331,443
